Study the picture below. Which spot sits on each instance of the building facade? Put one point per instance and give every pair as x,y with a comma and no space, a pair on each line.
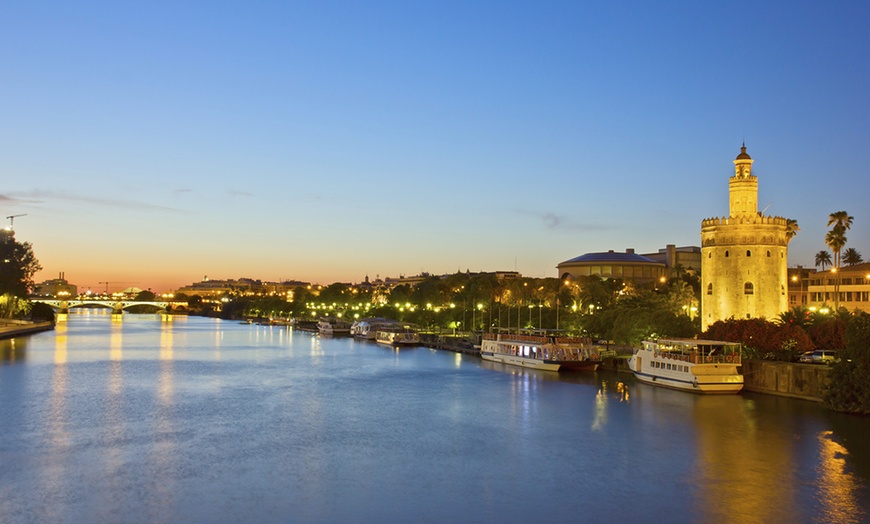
744,256
57,287
851,282
628,266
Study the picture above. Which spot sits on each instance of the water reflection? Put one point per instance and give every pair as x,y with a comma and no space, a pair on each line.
838,488
13,349
116,337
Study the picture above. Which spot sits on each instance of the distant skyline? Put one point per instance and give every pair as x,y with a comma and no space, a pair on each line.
154,144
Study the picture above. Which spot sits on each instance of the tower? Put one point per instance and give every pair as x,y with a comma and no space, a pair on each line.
744,256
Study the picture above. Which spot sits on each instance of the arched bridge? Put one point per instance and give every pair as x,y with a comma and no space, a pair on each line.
116,306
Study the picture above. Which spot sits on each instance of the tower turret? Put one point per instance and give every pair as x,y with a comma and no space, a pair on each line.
743,187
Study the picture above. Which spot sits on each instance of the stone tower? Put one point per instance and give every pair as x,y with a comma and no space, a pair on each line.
744,256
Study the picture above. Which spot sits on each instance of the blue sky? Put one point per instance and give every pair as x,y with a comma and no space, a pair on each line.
155,143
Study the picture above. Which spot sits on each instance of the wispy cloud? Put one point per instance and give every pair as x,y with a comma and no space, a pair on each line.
238,192
183,190
559,222
17,199
45,196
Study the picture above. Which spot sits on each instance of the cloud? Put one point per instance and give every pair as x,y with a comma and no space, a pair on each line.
183,190
43,196
13,199
238,192
558,222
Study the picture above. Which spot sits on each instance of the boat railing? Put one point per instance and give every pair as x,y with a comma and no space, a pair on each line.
697,358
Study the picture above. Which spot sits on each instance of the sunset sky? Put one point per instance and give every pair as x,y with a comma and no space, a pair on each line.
150,144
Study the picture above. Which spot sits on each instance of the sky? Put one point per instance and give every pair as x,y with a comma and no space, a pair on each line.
152,144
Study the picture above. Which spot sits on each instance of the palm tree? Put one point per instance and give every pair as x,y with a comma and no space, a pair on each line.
823,258
836,239
791,229
851,257
840,218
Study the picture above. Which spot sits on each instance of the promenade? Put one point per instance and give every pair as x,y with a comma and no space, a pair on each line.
16,328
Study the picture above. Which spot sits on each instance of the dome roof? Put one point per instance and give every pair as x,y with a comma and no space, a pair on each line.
610,256
743,155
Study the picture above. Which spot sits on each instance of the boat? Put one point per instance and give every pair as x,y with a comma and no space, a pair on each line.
700,366
333,326
398,335
540,349
367,328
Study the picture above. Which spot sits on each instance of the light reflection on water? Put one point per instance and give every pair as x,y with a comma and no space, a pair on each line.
150,418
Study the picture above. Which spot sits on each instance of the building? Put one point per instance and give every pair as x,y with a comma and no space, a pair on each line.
209,288
744,256
854,288
57,287
798,291
687,258
627,266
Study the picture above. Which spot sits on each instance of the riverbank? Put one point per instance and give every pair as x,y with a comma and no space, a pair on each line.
17,328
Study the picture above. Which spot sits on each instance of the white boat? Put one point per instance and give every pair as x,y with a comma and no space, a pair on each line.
398,335
367,328
333,326
700,366
540,349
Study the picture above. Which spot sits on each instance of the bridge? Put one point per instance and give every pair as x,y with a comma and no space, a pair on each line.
117,306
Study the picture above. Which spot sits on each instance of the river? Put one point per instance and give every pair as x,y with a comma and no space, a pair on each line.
149,418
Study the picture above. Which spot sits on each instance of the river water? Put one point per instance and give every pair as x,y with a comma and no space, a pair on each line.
143,418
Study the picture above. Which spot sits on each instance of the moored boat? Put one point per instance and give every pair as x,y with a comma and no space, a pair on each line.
539,349
398,335
367,328
333,326
700,366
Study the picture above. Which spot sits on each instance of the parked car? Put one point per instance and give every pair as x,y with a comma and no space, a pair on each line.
825,356
806,357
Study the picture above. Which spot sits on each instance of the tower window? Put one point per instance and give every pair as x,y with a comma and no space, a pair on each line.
748,289
710,289
726,254
748,253
768,254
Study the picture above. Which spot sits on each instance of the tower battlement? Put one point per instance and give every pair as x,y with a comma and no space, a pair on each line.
757,219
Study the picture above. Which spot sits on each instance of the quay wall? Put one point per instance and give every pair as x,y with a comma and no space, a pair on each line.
17,328
787,379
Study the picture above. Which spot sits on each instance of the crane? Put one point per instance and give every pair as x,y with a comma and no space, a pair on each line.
12,219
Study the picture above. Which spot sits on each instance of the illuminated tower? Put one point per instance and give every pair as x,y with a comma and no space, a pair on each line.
744,256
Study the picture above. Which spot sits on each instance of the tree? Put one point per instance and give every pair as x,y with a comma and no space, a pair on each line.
849,385
791,229
836,239
17,267
147,296
823,258
851,257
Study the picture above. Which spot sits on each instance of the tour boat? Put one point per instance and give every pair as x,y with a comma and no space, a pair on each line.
539,349
367,328
333,326
397,336
700,366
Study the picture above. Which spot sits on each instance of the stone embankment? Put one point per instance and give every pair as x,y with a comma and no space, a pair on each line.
17,328
787,379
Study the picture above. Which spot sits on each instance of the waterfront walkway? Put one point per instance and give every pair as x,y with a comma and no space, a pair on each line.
17,328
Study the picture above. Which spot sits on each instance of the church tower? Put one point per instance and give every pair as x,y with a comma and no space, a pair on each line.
744,256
